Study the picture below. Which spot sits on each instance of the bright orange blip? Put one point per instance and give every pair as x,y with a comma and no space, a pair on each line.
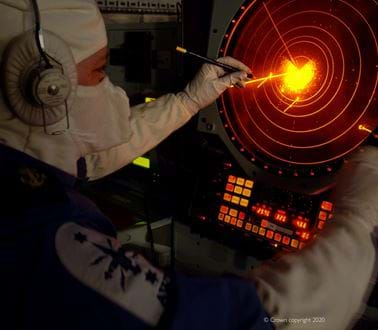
296,79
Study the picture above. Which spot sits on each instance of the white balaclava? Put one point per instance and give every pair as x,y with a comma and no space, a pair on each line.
80,24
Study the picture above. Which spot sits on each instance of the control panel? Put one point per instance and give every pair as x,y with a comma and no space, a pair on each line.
249,207
140,7
252,213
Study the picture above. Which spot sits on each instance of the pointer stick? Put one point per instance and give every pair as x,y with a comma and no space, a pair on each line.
226,67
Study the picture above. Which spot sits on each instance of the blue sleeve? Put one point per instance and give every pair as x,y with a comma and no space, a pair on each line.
223,303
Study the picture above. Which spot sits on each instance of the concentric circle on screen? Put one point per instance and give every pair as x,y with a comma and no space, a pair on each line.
313,99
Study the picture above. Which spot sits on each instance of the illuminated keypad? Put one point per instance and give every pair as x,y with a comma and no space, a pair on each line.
233,221
321,225
255,229
248,226
241,215
227,219
220,216
269,234
239,224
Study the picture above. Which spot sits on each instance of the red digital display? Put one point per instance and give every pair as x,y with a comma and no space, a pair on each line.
301,224
263,211
305,235
280,216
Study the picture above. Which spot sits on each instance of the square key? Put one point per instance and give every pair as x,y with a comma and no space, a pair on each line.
249,184
244,202
240,181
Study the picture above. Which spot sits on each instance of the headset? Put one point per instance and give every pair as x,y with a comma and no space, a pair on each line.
39,77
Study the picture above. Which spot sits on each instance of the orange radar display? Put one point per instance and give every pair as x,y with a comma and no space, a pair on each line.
313,98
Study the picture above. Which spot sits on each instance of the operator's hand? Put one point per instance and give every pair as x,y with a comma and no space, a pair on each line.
330,278
357,190
210,82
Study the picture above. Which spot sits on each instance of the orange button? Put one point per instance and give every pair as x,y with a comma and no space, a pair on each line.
327,206
221,216
301,246
270,234
255,229
247,192
277,237
244,202
224,209
248,226
233,221
235,200
249,184
227,219
233,213
239,224
229,187
321,225
241,215
294,243
227,197
323,215
231,179
238,190
264,223
286,240
240,181
262,231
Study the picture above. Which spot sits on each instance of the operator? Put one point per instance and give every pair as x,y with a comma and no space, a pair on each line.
61,264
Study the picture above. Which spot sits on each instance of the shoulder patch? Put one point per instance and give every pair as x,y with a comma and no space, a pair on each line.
103,264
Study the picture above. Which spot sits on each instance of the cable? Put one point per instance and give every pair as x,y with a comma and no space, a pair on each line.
38,31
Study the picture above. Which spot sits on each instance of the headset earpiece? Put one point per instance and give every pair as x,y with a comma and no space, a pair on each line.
37,93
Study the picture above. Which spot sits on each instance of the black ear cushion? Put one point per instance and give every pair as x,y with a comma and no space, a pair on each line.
20,59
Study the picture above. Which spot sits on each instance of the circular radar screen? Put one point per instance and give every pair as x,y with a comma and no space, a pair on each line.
313,97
